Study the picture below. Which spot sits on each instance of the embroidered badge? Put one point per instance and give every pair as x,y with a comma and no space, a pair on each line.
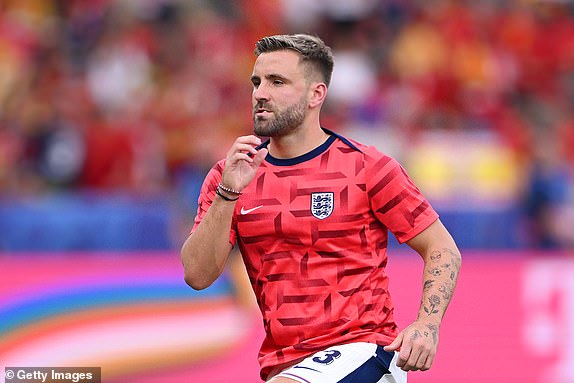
322,204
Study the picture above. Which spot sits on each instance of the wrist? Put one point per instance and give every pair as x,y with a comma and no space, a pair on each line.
431,320
228,190
226,196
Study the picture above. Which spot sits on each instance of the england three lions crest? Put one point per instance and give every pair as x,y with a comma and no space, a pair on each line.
322,204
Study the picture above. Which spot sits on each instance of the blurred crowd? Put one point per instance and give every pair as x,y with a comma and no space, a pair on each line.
144,95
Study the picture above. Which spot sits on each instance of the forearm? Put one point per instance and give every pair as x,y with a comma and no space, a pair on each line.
205,252
442,261
440,275
419,341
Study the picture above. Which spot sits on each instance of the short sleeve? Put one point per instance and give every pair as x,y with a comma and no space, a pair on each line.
206,196
395,199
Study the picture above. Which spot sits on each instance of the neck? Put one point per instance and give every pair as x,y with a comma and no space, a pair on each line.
297,143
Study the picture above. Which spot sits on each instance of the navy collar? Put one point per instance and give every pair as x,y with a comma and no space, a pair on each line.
309,155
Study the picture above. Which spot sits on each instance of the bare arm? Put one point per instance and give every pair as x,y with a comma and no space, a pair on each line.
418,342
205,252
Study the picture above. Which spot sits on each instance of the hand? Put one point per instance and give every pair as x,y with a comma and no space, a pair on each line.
242,162
418,344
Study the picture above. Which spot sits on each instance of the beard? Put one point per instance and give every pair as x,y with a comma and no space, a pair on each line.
282,122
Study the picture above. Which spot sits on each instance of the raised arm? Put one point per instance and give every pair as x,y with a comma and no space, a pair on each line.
206,250
418,342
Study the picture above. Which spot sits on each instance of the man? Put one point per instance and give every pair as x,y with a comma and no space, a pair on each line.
310,211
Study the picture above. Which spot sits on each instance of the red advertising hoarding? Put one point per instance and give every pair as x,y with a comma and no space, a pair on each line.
511,319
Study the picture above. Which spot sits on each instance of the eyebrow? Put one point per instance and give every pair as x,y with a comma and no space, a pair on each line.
271,76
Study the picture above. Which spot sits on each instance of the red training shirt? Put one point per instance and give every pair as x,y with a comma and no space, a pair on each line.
312,231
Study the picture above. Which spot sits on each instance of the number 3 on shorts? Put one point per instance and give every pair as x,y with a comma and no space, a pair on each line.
329,357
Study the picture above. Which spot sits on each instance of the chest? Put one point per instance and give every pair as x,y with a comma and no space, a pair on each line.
301,204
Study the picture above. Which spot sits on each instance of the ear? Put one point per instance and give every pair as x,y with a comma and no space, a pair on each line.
317,94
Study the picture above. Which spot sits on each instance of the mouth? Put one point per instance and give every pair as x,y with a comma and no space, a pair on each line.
262,113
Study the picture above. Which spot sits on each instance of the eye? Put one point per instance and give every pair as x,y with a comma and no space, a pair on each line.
278,82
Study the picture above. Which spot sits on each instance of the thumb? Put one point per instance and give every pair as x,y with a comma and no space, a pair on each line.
396,344
260,156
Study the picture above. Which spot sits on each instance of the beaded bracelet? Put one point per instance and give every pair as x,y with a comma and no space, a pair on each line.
228,189
225,197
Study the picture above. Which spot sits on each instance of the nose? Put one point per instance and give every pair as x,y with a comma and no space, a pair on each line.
260,94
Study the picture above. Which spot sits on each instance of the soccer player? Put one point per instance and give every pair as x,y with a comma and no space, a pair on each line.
310,211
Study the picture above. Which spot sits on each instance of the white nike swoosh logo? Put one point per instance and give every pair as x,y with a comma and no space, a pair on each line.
247,211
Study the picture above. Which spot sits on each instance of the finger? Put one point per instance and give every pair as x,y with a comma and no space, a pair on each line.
395,344
426,355
404,355
428,362
251,140
415,361
244,144
236,157
243,148
256,159
423,364
260,156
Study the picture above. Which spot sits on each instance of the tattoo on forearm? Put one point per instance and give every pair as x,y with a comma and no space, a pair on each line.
446,293
453,254
435,256
452,264
435,271
434,301
443,269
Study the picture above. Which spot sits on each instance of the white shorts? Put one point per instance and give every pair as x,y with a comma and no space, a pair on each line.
348,363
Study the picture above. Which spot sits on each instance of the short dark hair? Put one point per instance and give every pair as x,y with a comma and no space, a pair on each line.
311,49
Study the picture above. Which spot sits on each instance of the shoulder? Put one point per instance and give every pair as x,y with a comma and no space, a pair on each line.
217,168
370,155
213,177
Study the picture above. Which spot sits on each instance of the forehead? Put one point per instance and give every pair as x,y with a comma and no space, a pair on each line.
284,62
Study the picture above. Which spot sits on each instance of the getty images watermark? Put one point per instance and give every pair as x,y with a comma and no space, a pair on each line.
53,374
